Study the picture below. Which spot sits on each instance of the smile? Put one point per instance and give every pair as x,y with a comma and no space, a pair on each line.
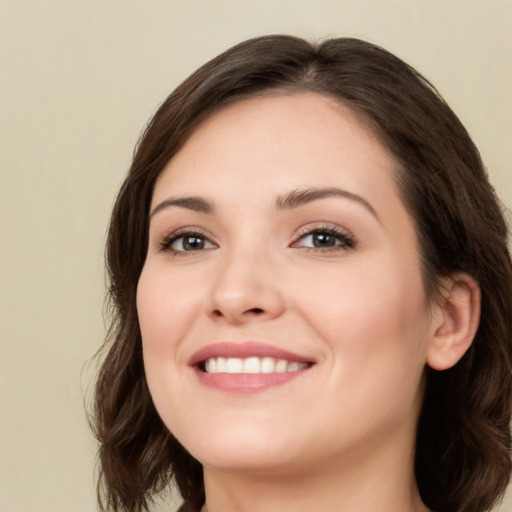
247,367
251,365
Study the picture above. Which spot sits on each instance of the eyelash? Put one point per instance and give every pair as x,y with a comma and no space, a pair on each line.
167,242
346,239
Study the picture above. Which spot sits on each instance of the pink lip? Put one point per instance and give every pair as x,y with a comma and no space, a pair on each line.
244,350
241,383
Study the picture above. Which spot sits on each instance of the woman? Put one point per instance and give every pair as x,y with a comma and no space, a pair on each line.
311,295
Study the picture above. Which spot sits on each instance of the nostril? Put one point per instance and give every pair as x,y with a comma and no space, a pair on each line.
218,313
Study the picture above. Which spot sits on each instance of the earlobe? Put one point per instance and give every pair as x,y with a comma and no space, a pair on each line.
456,321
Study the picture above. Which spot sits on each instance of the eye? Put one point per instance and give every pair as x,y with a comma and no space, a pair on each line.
325,239
186,242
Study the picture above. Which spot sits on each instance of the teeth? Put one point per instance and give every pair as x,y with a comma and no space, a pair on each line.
234,365
268,365
251,365
211,365
221,364
293,367
281,366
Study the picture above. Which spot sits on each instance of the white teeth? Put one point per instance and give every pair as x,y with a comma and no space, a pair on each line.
234,365
268,365
251,365
210,366
293,367
281,366
221,365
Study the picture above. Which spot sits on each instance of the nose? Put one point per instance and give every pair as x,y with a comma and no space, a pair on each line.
245,289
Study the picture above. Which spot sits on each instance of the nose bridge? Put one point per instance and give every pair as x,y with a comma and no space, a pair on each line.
244,286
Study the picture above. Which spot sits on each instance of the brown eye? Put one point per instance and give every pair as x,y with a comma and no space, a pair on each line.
187,242
192,243
325,239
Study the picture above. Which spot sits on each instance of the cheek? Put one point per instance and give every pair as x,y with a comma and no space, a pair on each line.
165,313
372,316
380,344
165,316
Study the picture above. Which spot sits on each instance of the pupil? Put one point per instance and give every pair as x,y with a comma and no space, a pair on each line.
193,242
322,240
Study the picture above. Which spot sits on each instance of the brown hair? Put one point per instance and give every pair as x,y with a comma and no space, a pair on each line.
463,442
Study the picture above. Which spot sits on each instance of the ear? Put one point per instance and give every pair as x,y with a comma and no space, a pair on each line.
456,318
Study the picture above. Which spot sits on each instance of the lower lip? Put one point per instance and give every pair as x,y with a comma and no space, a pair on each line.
246,382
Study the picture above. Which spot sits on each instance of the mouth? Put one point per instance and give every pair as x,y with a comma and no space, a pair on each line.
247,367
251,365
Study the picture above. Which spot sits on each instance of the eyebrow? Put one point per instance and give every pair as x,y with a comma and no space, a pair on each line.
297,198
194,203
289,201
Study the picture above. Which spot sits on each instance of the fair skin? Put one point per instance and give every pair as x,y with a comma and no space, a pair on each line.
277,232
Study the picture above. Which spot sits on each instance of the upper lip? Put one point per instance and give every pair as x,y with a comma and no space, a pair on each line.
244,350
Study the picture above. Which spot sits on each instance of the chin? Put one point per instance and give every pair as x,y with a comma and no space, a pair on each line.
243,448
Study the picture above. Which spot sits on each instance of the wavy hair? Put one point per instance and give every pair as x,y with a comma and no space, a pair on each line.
463,442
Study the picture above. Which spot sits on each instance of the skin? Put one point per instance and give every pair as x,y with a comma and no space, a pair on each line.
340,437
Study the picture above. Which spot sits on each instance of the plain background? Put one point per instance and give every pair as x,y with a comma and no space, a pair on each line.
78,80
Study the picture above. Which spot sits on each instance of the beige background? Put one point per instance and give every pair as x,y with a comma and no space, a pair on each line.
78,81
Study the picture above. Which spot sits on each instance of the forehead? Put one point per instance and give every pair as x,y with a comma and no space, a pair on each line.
271,142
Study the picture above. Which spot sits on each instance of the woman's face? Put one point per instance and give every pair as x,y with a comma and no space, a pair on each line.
282,310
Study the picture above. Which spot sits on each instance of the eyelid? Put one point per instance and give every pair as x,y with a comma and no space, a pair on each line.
348,240
165,243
